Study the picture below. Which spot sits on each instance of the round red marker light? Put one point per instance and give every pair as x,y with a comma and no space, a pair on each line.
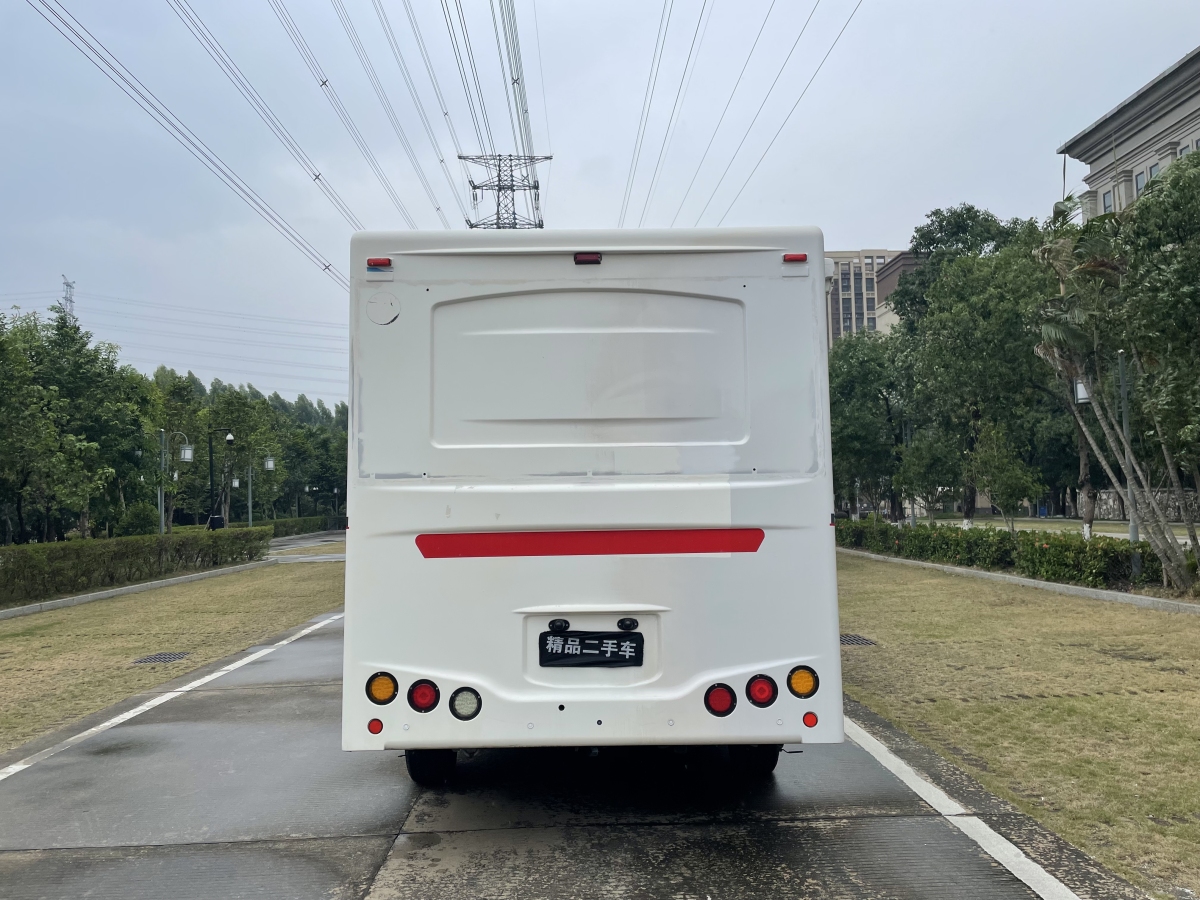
720,700
810,719
761,690
375,726
423,695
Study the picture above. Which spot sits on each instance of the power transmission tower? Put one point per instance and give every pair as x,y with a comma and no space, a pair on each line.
68,297
507,174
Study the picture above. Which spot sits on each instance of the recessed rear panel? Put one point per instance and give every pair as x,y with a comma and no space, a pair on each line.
589,367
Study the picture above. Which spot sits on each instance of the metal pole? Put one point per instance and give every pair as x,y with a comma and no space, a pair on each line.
1135,559
162,470
211,501
250,495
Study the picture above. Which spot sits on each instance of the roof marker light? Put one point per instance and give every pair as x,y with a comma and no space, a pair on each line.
379,262
795,257
588,259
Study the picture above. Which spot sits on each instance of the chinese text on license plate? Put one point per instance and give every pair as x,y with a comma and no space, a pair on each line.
591,648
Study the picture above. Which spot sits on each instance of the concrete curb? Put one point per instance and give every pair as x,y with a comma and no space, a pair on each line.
62,602
1070,589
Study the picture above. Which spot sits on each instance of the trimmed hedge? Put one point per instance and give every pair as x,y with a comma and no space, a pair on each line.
33,572
1102,562
281,527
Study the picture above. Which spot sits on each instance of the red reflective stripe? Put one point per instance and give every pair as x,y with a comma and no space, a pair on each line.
590,543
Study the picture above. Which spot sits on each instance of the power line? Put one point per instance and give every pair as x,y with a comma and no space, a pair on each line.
437,88
226,356
150,361
386,24
361,52
220,325
520,98
466,35
758,112
96,53
713,136
672,119
509,102
484,145
224,314
212,46
792,110
314,67
664,23
542,81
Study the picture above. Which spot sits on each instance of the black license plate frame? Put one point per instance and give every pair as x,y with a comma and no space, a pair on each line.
591,649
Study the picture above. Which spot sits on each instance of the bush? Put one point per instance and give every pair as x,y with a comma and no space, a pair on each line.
1048,555
281,527
34,572
139,518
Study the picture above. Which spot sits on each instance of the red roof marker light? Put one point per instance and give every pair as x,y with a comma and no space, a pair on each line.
795,257
588,259
379,262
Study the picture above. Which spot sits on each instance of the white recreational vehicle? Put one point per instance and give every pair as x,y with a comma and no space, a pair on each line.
589,493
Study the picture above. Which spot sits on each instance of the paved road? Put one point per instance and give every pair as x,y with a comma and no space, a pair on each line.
238,789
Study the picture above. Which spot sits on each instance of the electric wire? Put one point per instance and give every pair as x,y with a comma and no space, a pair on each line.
484,145
509,101
322,342
721,120
757,113
537,33
664,23
519,96
290,387
369,69
88,295
470,52
398,55
212,46
314,68
437,91
792,110
112,68
676,107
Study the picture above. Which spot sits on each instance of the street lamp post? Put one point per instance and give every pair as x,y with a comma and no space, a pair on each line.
185,455
211,475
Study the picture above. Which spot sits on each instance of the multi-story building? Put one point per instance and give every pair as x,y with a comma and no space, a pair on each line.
1142,136
855,301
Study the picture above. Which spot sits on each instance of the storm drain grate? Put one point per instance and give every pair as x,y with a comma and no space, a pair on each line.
856,640
159,658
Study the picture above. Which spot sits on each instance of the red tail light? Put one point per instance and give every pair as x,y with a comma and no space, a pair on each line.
720,700
761,690
423,695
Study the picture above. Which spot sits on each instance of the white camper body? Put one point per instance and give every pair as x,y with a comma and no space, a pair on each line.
536,437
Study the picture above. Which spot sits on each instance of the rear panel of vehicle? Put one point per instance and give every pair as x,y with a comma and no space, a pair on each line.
678,385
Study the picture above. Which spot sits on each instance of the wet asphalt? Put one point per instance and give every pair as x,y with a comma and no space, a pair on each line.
239,789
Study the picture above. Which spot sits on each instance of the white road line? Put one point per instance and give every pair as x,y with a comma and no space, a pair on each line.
157,701
995,845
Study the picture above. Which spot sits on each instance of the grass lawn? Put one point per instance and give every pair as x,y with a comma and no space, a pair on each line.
58,666
1083,713
315,550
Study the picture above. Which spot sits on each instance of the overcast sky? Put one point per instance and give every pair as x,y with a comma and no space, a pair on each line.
919,105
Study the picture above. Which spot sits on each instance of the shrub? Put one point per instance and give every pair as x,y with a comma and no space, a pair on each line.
281,527
34,572
139,518
1048,555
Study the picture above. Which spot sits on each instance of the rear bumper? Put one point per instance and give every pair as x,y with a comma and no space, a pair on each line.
601,717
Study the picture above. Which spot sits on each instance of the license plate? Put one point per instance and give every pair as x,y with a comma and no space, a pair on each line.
591,648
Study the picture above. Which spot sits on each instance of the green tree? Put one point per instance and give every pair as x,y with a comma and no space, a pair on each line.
998,469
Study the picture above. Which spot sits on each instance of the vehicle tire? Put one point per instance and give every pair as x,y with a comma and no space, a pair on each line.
430,768
754,760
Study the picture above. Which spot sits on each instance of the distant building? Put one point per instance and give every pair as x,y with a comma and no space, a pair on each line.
1134,142
856,295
